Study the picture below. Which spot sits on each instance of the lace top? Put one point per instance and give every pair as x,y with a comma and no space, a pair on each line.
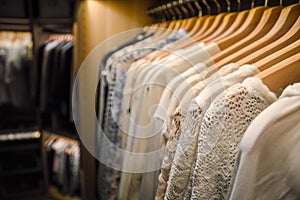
221,131
267,166
186,150
174,133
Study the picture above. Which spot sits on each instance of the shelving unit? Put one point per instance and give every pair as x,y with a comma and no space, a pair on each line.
23,171
52,189
21,167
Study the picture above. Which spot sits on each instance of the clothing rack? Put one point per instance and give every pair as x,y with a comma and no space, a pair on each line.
15,27
64,134
17,108
235,45
58,29
53,135
56,190
181,9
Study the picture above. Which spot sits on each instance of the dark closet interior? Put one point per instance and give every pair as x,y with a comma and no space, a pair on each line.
26,163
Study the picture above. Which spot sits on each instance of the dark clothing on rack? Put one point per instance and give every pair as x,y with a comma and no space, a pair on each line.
55,63
39,63
63,165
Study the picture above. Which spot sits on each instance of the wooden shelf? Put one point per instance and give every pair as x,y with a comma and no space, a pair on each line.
14,21
19,136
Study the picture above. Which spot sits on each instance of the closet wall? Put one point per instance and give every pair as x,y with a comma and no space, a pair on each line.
96,22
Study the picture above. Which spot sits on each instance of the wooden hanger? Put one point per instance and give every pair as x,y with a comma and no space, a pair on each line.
175,25
266,22
167,24
183,24
162,32
198,24
212,29
164,25
190,23
236,40
150,29
225,25
193,29
278,56
177,14
238,22
286,20
251,22
209,20
282,74
291,36
184,41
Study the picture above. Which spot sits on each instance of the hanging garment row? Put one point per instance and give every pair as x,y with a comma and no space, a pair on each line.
63,163
180,98
54,61
15,68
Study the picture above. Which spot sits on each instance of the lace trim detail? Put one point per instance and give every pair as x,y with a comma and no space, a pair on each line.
169,156
184,158
222,129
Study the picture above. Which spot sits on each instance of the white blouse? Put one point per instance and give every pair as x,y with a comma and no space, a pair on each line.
268,163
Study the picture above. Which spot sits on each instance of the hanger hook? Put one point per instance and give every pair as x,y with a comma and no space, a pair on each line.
280,2
169,6
218,6
239,5
175,6
190,7
252,4
149,12
200,14
228,6
207,6
266,3
159,8
185,11
165,11
159,13
155,11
